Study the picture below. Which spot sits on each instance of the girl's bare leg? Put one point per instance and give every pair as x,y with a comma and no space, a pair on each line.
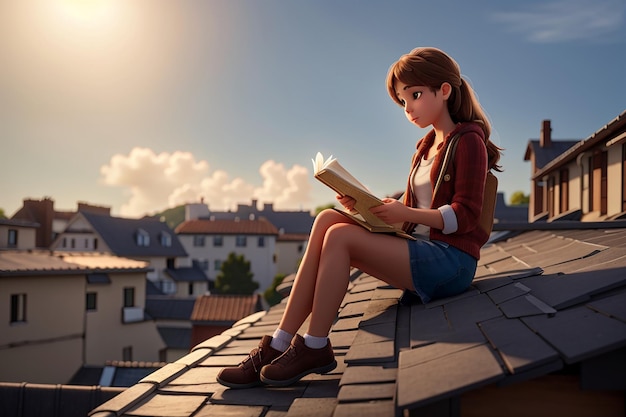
301,297
383,256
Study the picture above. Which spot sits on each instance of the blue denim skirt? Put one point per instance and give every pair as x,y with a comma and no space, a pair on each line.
439,269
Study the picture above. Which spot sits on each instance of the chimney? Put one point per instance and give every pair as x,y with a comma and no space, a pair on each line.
545,141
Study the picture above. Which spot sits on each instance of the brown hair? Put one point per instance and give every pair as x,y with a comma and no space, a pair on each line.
431,67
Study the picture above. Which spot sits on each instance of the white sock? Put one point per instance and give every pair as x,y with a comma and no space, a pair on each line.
281,340
315,342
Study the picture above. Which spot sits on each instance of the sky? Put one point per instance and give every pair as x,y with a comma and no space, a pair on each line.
141,105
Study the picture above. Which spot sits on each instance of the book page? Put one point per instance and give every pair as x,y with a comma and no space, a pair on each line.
333,165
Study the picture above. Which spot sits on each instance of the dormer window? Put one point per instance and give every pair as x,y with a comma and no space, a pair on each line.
142,237
166,239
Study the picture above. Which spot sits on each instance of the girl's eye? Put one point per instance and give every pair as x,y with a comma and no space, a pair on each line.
417,95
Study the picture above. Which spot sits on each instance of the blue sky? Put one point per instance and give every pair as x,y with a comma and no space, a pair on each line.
142,105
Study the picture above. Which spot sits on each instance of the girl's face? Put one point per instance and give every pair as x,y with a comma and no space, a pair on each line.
422,106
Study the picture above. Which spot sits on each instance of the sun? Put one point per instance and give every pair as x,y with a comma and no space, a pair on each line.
87,12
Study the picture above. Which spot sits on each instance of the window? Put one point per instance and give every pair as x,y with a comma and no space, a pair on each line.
241,241
12,240
166,239
86,243
95,244
73,243
18,308
217,265
198,241
91,302
598,194
190,288
127,353
564,191
218,241
142,237
129,297
261,241
201,264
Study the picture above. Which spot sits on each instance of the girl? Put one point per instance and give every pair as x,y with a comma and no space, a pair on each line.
441,262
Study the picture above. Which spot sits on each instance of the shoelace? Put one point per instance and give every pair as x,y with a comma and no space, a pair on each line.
251,359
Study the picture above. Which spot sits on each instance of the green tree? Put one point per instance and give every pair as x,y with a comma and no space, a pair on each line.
235,276
271,295
518,198
2,215
319,209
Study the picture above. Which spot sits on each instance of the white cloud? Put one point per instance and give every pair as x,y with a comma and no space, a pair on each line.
566,20
157,181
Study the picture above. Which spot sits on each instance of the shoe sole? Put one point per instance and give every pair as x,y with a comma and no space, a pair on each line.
238,386
321,370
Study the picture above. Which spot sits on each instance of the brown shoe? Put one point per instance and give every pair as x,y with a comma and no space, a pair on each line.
246,374
298,361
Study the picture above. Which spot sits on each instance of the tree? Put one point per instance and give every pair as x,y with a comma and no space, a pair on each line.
319,209
271,295
518,198
235,276
2,215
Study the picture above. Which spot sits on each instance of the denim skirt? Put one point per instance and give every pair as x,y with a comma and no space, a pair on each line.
439,269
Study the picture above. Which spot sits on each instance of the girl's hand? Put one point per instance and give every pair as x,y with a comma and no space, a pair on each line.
347,202
392,211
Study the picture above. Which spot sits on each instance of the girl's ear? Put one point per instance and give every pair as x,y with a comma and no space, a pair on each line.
446,90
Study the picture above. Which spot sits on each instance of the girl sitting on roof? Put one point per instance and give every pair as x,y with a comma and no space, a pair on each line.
441,262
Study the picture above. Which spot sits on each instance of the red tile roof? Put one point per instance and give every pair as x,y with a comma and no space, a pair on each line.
226,227
222,307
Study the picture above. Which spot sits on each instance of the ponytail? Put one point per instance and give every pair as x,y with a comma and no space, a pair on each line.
464,107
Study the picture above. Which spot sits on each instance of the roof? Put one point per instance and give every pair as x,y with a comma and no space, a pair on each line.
542,300
227,227
169,307
176,337
544,156
39,262
187,274
287,221
18,223
608,131
224,307
119,235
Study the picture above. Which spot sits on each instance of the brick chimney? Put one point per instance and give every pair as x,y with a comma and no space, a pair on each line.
545,141
42,212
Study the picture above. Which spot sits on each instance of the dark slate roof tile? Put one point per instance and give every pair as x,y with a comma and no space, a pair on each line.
508,292
613,306
445,376
526,305
519,347
367,392
312,407
563,331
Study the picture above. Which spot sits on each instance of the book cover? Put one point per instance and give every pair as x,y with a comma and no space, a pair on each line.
331,173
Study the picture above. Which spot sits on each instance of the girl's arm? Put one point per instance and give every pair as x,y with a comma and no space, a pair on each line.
395,212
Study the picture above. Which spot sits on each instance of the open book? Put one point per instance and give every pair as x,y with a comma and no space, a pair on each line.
335,176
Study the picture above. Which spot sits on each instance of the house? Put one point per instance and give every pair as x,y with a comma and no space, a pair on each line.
17,234
579,180
216,313
50,222
209,242
293,228
147,240
61,310
172,316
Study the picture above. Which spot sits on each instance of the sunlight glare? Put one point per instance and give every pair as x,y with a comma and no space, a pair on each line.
88,12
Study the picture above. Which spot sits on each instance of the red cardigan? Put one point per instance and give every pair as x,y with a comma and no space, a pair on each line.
462,190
